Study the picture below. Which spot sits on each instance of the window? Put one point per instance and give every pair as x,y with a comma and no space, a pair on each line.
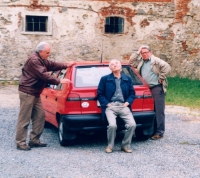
90,76
54,74
114,25
135,79
60,76
37,24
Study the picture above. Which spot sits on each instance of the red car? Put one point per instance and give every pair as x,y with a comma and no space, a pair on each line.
73,107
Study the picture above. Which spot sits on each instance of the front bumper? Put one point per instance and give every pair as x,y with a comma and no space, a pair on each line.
92,122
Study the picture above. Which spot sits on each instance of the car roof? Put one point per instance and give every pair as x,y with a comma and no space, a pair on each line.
85,63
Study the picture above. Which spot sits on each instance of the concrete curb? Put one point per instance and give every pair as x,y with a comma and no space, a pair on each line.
169,109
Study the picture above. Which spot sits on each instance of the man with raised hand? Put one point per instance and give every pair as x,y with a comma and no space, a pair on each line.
154,71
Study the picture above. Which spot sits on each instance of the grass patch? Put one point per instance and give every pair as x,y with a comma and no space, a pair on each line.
9,82
183,92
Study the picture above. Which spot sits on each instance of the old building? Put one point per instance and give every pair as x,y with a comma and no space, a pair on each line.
83,29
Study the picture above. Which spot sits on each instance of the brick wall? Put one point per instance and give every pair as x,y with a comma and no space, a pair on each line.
170,27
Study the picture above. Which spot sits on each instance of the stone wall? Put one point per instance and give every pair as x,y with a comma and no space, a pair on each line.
170,27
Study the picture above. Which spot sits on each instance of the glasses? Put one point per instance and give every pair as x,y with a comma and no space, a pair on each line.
145,52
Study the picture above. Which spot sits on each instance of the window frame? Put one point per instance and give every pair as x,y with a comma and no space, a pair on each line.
123,24
49,25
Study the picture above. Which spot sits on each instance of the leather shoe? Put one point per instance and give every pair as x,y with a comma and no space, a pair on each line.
156,137
127,150
24,147
108,150
37,144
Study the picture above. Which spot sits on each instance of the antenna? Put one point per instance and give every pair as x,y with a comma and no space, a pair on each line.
101,51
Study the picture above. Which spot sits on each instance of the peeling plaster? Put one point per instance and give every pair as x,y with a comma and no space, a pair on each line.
196,2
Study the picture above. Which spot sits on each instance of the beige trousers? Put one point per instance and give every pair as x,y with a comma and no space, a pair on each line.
30,110
124,113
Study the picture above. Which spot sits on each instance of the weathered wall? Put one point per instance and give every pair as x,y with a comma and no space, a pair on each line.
170,27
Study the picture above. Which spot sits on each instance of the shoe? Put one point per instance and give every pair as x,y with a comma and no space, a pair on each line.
37,144
127,150
24,147
156,137
108,150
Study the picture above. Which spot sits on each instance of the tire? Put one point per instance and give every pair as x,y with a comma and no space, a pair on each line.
47,125
140,135
63,134
154,127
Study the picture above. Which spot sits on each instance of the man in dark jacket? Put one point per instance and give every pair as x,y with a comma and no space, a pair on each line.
116,94
33,80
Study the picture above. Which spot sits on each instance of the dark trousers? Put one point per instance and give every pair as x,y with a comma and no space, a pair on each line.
159,101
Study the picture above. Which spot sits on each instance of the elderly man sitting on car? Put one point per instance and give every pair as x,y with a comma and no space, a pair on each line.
116,94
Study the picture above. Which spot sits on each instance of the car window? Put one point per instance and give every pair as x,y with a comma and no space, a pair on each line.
135,79
89,76
60,76
54,74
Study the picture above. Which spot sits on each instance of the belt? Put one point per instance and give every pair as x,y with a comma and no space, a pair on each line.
116,103
155,86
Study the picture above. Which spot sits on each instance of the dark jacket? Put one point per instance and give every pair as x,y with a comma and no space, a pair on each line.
107,87
35,74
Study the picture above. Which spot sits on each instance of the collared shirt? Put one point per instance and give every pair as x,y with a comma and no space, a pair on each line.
149,76
118,96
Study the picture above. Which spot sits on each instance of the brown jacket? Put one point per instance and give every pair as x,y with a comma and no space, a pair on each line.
158,66
35,74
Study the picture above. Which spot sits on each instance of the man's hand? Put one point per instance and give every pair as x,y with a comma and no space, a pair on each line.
125,104
69,64
160,81
139,50
65,81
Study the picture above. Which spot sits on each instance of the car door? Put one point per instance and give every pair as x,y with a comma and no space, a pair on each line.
45,92
52,99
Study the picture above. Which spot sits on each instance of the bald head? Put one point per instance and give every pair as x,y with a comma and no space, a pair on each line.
115,65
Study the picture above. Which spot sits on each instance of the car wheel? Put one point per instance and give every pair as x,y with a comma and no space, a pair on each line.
65,137
140,135
47,125
154,127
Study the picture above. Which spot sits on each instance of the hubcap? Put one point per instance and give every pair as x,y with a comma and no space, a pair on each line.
61,131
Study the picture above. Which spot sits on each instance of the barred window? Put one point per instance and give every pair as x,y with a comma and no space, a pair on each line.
36,23
114,25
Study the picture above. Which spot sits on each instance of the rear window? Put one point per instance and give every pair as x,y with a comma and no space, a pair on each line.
89,76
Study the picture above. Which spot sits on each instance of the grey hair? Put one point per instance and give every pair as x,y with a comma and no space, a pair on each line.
146,47
114,60
41,46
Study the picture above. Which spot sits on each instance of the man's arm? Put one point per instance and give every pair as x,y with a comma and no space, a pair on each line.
131,95
40,72
134,59
165,69
101,93
53,66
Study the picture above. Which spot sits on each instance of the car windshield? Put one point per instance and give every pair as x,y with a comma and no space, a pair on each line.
89,76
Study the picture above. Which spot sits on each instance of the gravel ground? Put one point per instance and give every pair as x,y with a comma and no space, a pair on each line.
177,155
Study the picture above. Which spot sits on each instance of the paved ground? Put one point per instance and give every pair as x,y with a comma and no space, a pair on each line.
177,155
